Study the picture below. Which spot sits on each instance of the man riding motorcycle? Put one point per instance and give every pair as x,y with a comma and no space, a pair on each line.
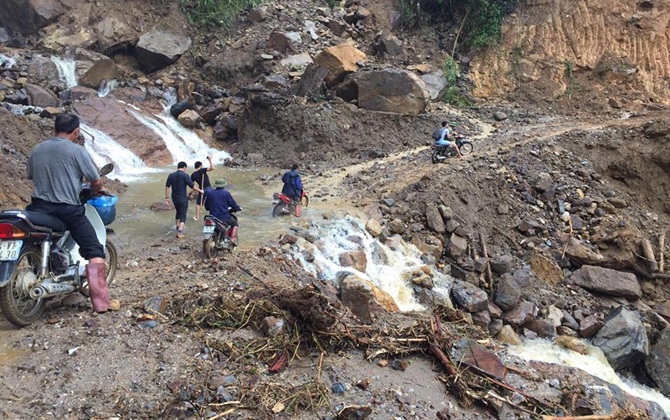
220,203
447,135
57,166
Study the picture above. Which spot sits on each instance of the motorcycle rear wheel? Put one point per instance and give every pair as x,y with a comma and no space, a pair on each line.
435,156
111,262
209,246
16,304
466,148
281,209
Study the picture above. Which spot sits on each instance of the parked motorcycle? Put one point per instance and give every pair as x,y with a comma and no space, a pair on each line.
442,153
39,259
218,236
284,205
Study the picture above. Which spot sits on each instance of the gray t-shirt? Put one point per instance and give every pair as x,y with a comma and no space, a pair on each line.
56,167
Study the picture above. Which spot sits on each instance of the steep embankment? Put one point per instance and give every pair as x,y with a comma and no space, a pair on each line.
590,51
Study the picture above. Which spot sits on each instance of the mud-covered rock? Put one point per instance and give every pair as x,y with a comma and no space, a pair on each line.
101,70
607,281
391,90
658,363
623,338
160,47
469,297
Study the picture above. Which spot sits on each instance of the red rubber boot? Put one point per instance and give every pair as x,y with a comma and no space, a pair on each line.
96,275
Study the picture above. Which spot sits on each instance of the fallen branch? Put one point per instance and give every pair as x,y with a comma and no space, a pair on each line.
648,254
482,240
661,252
437,352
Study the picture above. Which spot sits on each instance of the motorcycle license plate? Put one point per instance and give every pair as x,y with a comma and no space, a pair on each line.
208,230
10,250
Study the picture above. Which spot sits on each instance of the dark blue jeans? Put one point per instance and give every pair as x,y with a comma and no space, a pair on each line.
75,219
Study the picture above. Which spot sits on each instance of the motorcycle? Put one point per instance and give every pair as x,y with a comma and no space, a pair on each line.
39,259
442,153
284,204
218,236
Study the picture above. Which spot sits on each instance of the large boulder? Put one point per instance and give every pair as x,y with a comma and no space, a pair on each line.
101,70
160,47
607,281
391,90
340,61
29,16
469,297
41,97
658,363
623,339
363,298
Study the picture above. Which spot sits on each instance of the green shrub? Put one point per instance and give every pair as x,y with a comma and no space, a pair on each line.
453,95
215,12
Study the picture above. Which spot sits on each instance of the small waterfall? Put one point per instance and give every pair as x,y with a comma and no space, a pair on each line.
387,268
67,70
106,87
104,149
182,143
594,363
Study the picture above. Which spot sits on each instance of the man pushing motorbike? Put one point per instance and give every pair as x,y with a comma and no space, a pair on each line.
57,166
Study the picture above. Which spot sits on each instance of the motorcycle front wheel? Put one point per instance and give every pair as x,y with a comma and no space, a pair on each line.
111,262
209,246
281,209
466,148
15,301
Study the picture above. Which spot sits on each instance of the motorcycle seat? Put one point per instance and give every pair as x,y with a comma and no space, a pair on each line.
44,220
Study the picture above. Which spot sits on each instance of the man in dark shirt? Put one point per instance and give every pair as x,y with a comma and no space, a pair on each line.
220,203
178,181
293,187
201,178
56,167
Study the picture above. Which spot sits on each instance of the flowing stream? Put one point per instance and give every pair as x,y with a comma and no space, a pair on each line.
593,363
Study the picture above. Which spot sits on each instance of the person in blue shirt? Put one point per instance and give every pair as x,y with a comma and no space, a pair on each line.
293,187
447,136
220,204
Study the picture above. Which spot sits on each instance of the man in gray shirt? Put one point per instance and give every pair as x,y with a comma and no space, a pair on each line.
56,167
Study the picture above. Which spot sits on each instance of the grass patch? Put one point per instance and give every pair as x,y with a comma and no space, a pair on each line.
215,13
453,95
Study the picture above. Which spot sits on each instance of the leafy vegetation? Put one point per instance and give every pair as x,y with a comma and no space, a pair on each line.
453,95
481,19
215,13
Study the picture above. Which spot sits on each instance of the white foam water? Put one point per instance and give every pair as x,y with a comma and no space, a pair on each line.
385,266
107,87
67,70
594,363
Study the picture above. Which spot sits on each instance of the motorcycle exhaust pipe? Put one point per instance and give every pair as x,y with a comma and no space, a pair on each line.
45,290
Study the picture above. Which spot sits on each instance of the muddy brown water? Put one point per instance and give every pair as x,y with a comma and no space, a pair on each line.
136,225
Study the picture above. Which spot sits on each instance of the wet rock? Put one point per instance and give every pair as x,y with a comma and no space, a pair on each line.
160,47
589,326
434,219
41,97
80,93
354,259
520,314
20,97
542,327
658,363
180,107
189,118
364,298
391,90
101,70
507,335
469,297
623,339
507,294
572,343
607,281
373,227
340,60
457,246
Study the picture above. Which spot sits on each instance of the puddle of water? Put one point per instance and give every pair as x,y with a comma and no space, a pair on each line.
8,333
136,224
